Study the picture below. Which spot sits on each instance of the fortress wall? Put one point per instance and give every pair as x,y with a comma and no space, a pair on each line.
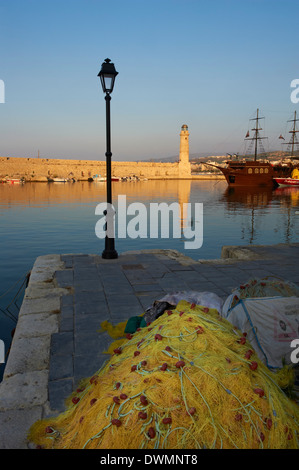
38,169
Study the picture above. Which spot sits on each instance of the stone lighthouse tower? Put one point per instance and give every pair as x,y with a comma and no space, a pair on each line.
184,164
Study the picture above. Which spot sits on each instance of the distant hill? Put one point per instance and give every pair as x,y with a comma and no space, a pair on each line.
175,158
196,157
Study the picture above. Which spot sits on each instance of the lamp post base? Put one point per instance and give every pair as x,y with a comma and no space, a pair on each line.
109,254
109,251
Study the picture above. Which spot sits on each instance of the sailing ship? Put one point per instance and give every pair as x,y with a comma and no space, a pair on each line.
293,179
256,171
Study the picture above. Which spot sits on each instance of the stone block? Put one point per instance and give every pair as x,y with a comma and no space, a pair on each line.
37,324
67,300
139,279
68,260
118,288
95,308
87,285
66,324
82,297
62,343
28,354
44,290
64,278
67,311
172,284
140,289
41,305
15,424
89,322
59,391
87,365
86,272
87,342
123,306
46,261
24,390
61,367
66,321
44,268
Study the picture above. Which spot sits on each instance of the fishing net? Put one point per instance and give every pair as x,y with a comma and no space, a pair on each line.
268,311
266,287
188,380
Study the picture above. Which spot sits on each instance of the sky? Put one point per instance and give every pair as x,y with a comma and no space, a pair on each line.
207,64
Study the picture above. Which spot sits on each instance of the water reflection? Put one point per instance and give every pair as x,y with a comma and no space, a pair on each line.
262,206
249,201
289,200
231,215
41,193
247,197
288,196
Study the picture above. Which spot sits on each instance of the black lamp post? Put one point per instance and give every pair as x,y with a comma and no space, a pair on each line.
107,76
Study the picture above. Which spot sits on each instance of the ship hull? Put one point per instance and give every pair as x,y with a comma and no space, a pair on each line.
244,174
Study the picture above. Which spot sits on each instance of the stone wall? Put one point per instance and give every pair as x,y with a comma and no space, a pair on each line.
39,169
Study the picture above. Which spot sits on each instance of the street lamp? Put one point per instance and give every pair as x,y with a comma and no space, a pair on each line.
107,76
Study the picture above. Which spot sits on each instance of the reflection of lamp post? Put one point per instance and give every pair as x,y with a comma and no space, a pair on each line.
107,76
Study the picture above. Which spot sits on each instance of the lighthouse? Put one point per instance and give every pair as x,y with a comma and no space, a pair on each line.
184,164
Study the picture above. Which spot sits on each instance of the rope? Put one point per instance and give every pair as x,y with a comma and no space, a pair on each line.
10,288
6,311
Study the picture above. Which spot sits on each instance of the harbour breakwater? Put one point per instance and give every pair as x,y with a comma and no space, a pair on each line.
41,169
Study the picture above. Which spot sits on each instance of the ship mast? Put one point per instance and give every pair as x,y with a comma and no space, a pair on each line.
256,130
293,140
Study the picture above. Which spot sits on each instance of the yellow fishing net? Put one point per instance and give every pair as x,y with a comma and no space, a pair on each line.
188,380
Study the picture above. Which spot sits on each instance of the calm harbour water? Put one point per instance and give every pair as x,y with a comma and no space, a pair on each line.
44,218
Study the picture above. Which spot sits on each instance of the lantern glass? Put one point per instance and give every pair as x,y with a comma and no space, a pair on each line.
107,76
107,83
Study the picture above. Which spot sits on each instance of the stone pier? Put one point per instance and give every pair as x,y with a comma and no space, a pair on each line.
58,338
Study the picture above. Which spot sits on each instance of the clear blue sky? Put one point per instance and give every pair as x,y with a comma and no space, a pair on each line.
209,64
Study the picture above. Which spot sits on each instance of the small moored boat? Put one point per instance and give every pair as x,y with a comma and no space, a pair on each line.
293,180
57,180
99,178
14,181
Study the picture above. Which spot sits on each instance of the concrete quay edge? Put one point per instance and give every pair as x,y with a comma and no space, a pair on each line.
24,390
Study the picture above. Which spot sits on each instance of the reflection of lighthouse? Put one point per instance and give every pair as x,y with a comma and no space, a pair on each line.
184,188
184,164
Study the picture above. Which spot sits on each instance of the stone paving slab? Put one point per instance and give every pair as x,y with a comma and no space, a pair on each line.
70,295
